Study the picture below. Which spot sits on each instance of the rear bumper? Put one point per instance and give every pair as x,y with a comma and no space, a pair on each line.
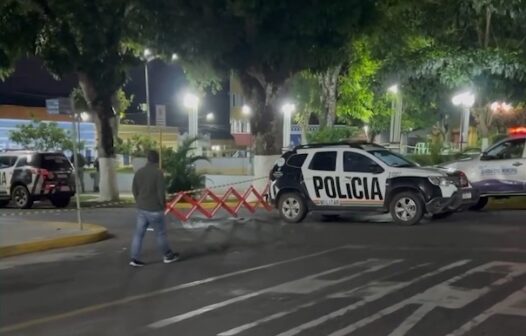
461,199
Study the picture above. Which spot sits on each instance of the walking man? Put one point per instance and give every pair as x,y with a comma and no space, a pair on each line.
149,193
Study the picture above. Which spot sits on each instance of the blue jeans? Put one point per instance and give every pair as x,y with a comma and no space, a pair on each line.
156,220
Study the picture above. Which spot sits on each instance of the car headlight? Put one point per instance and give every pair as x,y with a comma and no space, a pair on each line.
440,181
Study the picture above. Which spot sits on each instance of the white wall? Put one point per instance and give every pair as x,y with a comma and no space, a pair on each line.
225,166
212,181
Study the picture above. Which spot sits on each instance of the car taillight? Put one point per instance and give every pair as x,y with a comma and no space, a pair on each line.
44,173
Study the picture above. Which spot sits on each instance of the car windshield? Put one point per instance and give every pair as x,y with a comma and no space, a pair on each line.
392,159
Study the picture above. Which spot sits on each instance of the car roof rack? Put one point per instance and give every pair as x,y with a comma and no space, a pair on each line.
351,144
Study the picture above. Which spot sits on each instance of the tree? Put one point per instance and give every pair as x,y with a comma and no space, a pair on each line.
476,44
306,92
95,40
42,136
265,42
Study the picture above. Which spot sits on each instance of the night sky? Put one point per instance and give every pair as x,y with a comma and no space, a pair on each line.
31,85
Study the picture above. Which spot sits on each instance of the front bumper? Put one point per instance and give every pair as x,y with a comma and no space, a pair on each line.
461,199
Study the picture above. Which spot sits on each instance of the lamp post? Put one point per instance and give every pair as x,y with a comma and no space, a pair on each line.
191,101
148,56
287,110
396,117
466,101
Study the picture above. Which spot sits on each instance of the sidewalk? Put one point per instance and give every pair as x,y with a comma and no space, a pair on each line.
18,236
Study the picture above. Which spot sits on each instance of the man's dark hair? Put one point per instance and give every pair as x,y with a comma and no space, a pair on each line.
153,156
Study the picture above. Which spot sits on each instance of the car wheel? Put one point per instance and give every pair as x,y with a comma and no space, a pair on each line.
480,204
292,207
442,215
21,197
4,203
407,208
60,201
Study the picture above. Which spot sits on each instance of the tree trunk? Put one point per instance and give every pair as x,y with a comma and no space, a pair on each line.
329,88
101,105
484,120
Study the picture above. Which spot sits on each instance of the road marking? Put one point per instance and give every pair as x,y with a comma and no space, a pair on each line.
242,328
369,293
134,298
455,298
306,284
515,304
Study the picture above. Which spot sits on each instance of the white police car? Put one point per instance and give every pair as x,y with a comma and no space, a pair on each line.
499,171
27,176
363,176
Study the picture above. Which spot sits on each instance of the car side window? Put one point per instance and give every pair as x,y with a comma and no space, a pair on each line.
22,162
355,162
296,160
7,161
324,161
511,149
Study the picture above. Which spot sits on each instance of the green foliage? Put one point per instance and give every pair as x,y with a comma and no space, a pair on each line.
180,167
333,134
42,136
306,92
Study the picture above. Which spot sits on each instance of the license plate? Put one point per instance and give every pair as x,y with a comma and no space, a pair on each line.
62,176
65,188
466,195
330,202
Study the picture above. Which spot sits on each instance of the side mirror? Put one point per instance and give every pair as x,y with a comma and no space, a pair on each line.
485,157
375,168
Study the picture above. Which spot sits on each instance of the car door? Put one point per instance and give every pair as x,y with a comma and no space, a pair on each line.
320,175
7,164
503,168
363,181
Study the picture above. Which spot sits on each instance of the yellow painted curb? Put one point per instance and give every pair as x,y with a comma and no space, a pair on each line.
91,233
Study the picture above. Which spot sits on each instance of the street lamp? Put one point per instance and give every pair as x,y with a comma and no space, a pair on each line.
396,117
148,56
210,117
175,57
191,101
246,110
465,100
393,88
84,116
287,110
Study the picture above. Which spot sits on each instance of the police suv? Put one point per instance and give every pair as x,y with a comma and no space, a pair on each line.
351,176
500,171
27,176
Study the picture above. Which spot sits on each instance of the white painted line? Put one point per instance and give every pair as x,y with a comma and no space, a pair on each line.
372,292
242,328
455,298
138,297
307,284
508,307
413,319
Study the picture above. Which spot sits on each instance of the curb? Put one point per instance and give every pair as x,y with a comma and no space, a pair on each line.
92,233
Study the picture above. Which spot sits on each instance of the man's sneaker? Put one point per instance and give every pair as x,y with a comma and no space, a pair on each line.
171,258
136,263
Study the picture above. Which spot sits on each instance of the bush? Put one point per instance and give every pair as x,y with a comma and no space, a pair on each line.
430,160
180,168
334,134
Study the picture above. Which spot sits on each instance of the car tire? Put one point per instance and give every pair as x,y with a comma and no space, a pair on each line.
21,197
60,201
480,204
292,207
442,215
4,203
407,208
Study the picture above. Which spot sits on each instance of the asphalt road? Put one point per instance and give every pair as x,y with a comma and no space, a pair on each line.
257,276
